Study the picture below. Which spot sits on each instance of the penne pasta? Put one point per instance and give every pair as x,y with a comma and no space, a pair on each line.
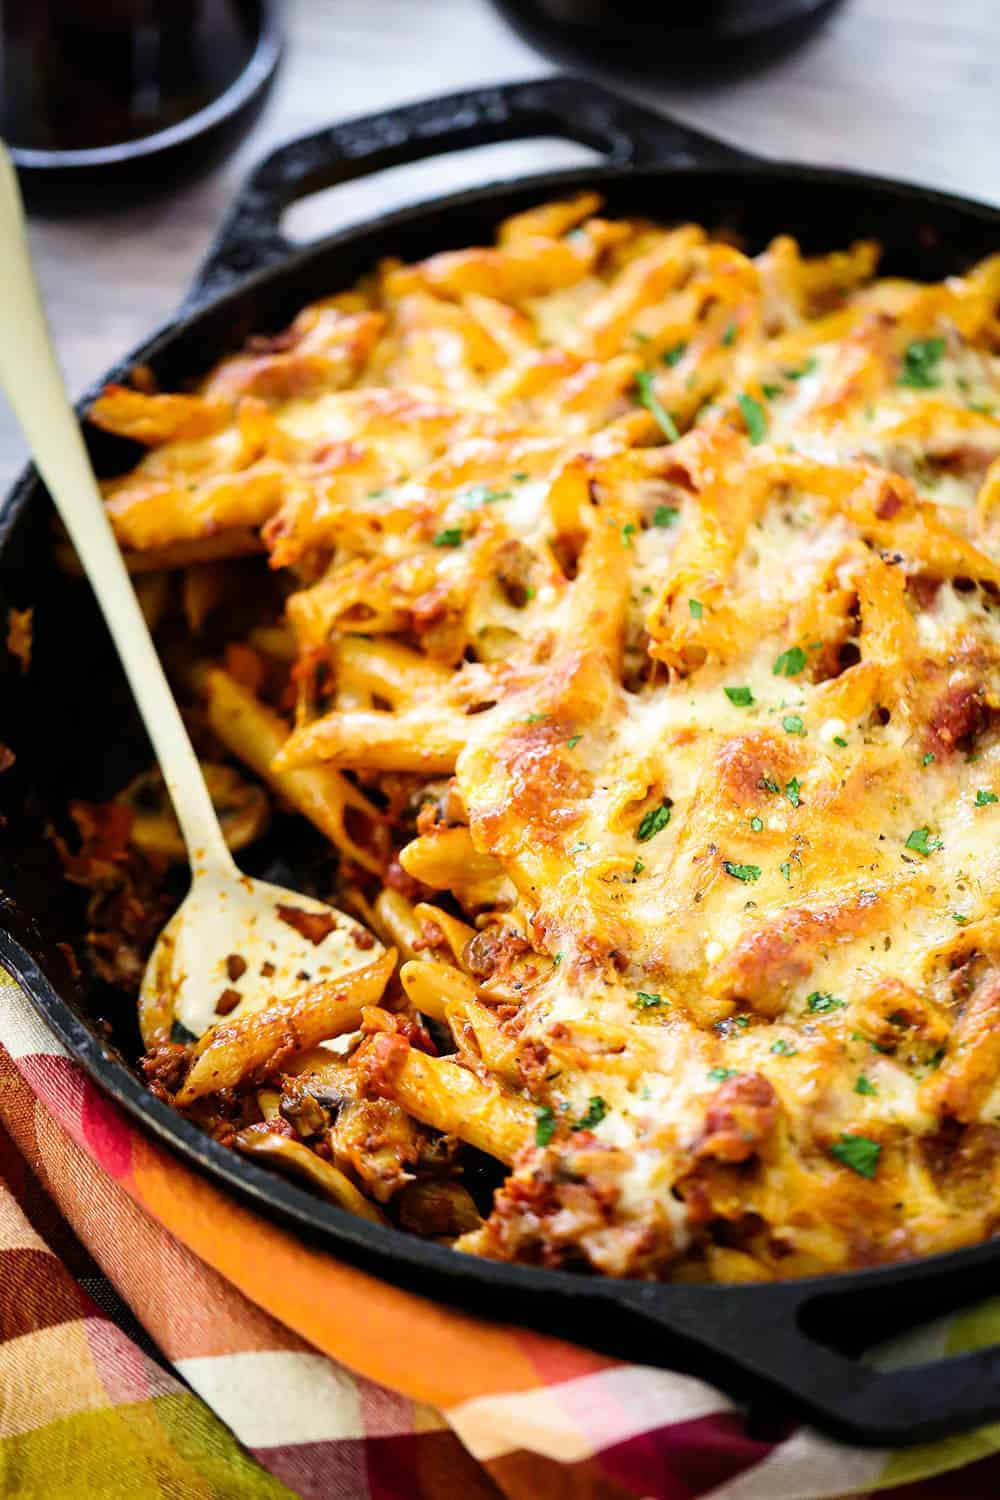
411,741
453,1100
630,634
256,735
430,986
242,1049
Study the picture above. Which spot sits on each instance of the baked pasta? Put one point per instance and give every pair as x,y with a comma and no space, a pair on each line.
627,618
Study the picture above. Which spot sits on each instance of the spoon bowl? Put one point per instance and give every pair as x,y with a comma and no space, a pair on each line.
235,947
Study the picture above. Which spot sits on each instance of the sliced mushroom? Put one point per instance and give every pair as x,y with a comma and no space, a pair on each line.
298,1161
243,808
438,1209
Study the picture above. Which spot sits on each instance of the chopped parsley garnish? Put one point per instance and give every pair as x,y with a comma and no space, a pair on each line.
768,784
535,718
596,1110
982,408
792,724
985,797
857,1152
784,1049
803,370
451,536
719,1075
819,1002
757,824
628,532
771,391
665,515
649,399
697,608
638,867
545,1125
859,1036
786,870
573,741
557,960
729,336
790,662
792,791
754,417
653,822
481,494
956,916
644,1000
929,758
579,847
747,873
864,1085
923,841
741,1020
838,739
520,477
920,363
639,336
675,354
741,696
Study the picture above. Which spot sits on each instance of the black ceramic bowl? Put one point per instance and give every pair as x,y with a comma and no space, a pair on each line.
228,75
670,41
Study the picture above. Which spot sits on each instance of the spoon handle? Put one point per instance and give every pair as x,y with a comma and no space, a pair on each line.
30,378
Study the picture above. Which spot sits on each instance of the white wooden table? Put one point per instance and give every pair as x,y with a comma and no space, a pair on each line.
907,88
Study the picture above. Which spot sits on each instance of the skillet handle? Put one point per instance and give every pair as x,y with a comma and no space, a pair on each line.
572,108
775,1346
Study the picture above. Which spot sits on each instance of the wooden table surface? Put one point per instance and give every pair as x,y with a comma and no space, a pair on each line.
903,87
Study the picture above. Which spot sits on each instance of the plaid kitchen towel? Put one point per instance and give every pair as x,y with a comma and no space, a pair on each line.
158,1339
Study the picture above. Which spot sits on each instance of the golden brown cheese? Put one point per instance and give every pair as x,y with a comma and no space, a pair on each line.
686,566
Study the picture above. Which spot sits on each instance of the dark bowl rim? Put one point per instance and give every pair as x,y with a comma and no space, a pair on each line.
728,30
225,107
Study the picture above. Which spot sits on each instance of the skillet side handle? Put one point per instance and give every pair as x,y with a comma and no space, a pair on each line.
571,108
759,1342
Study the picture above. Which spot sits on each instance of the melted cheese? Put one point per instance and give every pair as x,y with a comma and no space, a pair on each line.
721,711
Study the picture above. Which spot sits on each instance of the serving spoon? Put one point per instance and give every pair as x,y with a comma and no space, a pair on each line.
235,944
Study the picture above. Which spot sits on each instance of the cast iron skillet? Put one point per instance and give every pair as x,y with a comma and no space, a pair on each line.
71,722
